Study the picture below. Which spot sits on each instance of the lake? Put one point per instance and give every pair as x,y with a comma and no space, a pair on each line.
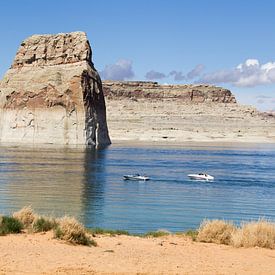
88,184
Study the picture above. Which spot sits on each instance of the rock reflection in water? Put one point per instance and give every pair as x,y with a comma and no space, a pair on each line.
94,183
53,181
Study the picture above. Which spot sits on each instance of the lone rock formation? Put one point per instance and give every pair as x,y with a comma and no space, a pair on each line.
53,94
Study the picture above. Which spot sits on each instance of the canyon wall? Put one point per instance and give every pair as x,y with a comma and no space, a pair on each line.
53,94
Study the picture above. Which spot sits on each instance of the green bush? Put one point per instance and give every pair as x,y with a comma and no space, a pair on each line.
101,231
156,234
10,225
192,233
43,225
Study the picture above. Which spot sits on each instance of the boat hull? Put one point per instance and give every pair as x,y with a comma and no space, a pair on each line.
200,177
135,178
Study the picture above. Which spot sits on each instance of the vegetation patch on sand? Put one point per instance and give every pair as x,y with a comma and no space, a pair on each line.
216,231
43,224
10,225
252,234
259,233
69,229
66,228
26,216
156,234
191,233
101,231
110,232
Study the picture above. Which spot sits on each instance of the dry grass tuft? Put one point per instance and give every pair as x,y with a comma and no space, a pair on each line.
260,233
69,229
215,231
25,215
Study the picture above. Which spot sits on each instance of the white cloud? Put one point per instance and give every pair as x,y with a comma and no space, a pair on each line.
249,62
121,70
248,74
271,75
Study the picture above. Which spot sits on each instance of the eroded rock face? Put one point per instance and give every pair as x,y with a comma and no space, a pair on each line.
147,111
53,94
152,90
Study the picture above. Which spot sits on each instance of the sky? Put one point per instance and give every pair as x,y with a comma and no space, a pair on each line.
228,43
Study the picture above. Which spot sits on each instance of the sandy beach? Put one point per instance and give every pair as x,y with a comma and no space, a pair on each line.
41,254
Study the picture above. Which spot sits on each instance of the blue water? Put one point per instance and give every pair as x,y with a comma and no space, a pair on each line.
88,184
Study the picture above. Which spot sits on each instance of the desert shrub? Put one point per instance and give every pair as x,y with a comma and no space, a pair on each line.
25,215
215,231
69,229
10,225
192,233
101,231
156,234
260,233
43,224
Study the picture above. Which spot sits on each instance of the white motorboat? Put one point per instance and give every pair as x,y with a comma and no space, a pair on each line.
136,177
200,176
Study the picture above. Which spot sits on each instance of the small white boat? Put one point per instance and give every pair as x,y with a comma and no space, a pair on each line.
135,177
200,176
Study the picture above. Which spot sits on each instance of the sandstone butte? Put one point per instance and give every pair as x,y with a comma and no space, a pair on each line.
53,94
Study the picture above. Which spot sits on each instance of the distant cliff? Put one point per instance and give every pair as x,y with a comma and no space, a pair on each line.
153,90
148,111
53,94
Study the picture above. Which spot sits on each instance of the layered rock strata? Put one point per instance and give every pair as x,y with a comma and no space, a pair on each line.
53,94
142,111
152,90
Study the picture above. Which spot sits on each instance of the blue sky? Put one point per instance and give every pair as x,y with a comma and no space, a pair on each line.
226,43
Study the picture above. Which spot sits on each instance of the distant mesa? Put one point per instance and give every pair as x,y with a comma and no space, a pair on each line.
201,93
53,94
150,112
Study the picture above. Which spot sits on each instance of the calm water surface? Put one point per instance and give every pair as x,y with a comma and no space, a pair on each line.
88,184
